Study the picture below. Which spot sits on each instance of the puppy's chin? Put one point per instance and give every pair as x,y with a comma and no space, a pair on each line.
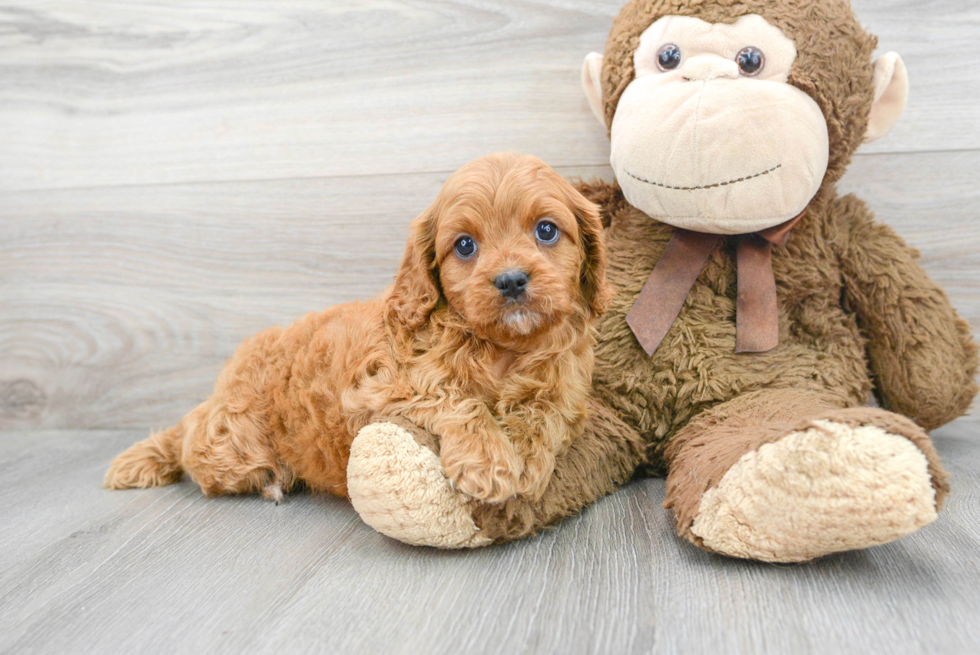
516,327
512,324
523,321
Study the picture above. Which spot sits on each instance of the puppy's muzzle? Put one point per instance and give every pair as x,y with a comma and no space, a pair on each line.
512,284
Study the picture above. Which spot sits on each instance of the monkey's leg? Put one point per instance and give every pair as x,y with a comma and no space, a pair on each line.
787,476
397,485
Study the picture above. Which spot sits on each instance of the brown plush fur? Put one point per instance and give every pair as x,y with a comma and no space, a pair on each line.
856,311
505,396
852,300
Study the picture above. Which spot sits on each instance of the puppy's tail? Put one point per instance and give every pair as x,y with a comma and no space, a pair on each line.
153,462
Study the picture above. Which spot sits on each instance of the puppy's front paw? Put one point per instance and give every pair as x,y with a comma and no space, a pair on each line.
536,475
489,470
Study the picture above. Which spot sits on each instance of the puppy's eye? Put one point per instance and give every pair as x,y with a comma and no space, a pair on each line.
668,57
465,247
546,232
750,61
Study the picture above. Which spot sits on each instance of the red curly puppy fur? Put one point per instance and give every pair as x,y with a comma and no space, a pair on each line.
502,381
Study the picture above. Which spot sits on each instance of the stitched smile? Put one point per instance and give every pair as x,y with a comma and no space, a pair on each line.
706,186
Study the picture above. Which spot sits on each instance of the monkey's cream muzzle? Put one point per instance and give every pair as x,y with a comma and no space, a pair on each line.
704,149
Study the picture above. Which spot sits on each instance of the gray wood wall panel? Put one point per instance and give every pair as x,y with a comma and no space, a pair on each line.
200,173
101,93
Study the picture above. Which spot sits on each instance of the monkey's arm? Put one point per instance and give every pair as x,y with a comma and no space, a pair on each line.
921,351
398,485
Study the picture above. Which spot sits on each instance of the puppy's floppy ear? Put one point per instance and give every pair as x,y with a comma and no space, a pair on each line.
595,289
416,290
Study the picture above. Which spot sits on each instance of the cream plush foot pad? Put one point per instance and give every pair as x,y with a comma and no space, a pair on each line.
827,489
398,487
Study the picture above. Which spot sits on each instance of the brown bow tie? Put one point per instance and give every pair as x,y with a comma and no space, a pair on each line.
756,313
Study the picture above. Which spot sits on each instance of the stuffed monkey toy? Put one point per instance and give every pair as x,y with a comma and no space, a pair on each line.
756,310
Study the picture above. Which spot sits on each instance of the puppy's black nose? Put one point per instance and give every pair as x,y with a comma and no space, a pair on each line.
512,283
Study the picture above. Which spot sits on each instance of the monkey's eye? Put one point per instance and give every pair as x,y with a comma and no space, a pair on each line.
750,61
546,232
668,57
465,247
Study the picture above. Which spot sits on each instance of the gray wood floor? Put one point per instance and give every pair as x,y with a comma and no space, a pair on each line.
165,570
177,176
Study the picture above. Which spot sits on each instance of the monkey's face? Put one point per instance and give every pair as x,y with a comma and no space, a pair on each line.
709,136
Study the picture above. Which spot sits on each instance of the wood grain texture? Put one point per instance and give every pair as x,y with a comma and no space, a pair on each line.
85,570
130,92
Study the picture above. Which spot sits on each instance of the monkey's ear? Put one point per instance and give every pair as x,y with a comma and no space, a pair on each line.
891,83
592,84
416,290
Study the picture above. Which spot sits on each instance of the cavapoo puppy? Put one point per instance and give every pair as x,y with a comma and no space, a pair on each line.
485,340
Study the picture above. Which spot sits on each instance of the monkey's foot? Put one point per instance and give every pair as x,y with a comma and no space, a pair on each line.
398,487
831,487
